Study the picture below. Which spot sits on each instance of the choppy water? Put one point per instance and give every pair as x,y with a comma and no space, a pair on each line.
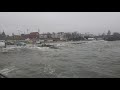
93,59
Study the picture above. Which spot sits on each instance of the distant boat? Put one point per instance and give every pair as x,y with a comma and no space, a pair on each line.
91,39
21,44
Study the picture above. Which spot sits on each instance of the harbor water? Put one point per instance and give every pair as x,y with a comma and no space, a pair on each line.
83,59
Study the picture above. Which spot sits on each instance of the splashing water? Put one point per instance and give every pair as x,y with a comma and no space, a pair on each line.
91,59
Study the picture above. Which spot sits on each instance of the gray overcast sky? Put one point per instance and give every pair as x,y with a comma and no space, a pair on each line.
93,22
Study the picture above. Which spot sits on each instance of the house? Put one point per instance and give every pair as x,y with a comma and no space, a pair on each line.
18,37
44,36
25,36
58,36
34,35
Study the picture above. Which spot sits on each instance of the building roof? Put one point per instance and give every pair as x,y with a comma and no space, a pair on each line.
34,33
45,34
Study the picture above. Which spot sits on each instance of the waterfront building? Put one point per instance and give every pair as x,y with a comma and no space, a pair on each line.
34,35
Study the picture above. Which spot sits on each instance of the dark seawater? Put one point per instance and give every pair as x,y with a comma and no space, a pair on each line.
92,59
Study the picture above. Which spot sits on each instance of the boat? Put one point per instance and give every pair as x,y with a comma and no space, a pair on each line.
21,44
91,39
2,44
9,43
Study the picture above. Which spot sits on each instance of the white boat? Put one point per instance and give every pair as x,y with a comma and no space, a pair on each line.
2,44
91,39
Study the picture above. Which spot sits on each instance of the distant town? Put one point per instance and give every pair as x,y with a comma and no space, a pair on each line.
60,36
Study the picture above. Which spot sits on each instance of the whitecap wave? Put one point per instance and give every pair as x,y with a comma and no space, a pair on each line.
7,70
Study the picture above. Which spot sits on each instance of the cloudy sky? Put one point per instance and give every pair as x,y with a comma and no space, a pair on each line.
92,22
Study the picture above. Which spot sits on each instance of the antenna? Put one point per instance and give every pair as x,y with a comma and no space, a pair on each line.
19,32
27,31
24,31
38,30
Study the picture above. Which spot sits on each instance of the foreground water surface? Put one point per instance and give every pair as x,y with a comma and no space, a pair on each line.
91,59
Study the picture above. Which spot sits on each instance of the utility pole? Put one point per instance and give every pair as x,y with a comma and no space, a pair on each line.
24,32
19,32
28,31
13,36
39,32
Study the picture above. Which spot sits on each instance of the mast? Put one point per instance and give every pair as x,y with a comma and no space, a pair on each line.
39,32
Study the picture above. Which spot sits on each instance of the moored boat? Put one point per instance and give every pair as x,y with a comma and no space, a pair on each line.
21,44
2,44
